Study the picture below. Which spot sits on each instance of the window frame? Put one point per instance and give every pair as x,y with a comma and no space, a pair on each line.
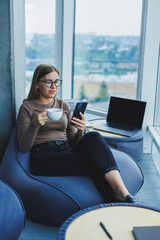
156,121
65,18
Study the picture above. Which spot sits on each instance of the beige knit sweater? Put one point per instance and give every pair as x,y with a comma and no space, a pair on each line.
28,134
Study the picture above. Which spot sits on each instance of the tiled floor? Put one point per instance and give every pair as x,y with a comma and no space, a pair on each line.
149,195
150,191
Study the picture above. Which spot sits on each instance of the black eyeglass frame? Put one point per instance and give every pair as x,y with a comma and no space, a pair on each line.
59,81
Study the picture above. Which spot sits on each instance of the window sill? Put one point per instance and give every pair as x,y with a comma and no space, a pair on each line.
96,112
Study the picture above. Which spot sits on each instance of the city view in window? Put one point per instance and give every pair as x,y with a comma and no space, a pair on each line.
40,35
106,54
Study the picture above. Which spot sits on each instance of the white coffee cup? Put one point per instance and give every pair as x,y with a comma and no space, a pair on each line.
54,114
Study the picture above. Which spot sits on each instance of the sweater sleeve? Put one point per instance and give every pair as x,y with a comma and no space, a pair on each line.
26,130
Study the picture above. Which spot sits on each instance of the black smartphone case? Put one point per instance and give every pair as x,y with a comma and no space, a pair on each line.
80,107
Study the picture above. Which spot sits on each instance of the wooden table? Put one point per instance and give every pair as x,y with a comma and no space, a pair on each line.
104,133
119,221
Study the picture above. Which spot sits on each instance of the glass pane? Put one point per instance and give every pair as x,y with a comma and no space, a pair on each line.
107,34
40,35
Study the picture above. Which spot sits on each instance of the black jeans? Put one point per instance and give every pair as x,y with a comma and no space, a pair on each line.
91,156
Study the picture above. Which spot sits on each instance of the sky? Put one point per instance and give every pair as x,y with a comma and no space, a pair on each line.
101,17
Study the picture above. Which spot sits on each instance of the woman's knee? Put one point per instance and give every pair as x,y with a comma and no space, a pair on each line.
93,136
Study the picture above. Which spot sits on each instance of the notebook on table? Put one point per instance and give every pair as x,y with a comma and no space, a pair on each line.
146,233
125,116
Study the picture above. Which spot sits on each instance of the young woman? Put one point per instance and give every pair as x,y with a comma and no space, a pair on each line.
59,148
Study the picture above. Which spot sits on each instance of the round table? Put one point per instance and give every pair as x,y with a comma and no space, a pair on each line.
119,219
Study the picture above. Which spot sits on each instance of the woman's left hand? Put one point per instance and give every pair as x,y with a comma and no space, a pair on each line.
79,123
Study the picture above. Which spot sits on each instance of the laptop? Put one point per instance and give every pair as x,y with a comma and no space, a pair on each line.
125,116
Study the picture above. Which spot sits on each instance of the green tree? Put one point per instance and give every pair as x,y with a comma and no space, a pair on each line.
82,94
103,94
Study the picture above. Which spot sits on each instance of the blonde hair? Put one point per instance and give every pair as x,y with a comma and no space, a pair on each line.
40,71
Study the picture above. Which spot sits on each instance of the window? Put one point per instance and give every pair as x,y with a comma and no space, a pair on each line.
40,35
106,50
157,97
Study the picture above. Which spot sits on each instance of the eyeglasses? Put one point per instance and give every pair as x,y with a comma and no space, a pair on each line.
49,83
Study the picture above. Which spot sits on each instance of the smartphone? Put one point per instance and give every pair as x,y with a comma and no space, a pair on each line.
80,107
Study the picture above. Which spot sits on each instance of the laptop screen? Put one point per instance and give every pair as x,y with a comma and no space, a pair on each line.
126,112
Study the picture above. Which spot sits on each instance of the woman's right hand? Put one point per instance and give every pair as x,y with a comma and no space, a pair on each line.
41,118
